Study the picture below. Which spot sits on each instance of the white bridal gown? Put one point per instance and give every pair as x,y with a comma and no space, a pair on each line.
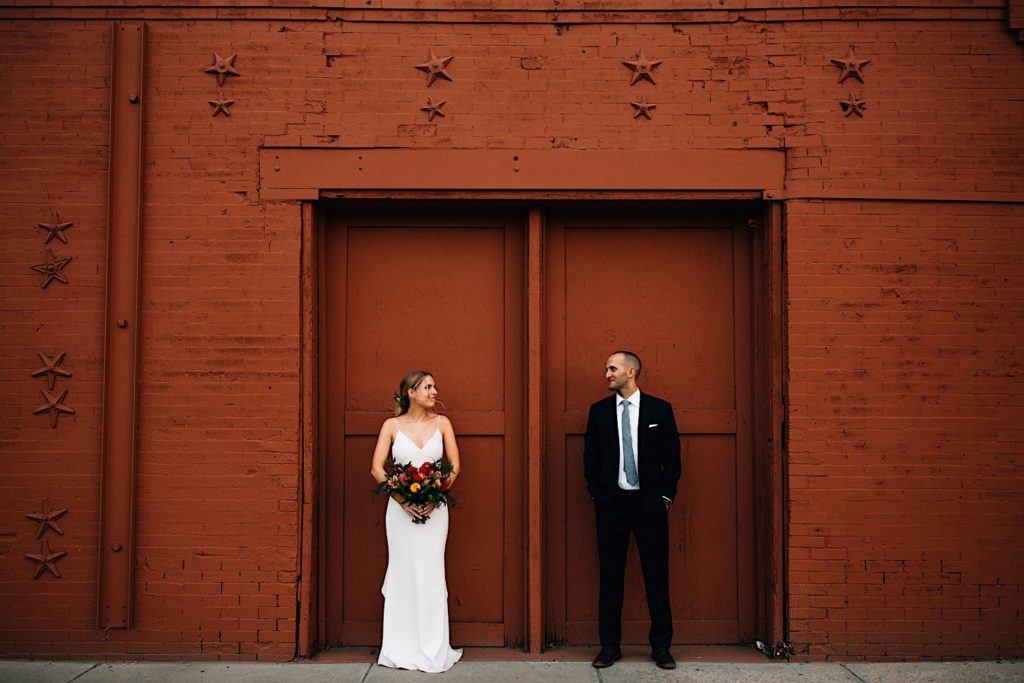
415,591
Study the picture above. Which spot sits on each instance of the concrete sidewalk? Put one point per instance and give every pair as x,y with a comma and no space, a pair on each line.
520,671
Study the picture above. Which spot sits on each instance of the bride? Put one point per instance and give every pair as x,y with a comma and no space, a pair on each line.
415,592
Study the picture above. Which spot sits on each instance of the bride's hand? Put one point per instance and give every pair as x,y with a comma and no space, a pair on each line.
426,509
413,511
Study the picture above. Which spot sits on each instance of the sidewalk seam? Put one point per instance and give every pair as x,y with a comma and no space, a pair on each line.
849,671
84,672
366,673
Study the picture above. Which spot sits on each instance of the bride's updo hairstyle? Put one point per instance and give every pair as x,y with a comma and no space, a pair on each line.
412,381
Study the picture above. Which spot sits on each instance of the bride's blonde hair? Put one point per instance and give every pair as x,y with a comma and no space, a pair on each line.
412,380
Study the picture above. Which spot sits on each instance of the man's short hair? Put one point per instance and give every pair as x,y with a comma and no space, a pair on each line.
631,359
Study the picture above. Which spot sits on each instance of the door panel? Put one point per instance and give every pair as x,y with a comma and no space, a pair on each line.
425,293
676,300
441,293
676,291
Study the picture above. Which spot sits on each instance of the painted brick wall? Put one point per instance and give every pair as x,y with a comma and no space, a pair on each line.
904,444
906,392
217,473
53,161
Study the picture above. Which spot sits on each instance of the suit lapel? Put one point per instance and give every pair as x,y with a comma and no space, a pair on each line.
613,417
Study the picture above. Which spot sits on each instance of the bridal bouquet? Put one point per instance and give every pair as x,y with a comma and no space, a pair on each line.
428,483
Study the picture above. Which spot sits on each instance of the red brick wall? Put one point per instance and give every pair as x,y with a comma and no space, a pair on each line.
904,456
903,314
216,514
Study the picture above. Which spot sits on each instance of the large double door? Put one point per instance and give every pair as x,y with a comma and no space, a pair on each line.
444,290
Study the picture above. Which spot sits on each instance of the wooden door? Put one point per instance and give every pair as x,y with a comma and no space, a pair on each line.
676,290
440,292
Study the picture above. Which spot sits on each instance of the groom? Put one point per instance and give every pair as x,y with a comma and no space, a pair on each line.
631,464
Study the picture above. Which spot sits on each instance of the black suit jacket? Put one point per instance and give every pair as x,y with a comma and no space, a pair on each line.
657,450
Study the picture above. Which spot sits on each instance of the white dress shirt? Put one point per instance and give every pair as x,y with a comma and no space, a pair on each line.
634,430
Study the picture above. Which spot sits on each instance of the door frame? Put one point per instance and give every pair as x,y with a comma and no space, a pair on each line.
769,386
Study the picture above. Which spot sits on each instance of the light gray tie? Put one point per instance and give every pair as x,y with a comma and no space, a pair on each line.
628,460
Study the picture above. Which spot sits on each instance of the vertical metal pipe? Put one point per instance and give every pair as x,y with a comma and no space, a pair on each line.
121,331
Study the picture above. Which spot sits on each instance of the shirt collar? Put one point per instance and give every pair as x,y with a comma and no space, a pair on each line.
634,399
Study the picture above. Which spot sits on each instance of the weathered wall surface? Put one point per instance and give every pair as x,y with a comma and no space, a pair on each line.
904,314
904,456
217,475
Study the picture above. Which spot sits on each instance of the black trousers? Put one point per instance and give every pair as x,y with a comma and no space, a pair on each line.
616,520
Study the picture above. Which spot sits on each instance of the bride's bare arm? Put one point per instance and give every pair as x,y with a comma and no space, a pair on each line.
380,454
451,448
380,451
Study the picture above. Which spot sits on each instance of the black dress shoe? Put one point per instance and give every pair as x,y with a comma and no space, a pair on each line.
608,656
663,658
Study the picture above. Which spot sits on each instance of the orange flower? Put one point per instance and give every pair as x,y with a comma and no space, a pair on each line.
415,488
